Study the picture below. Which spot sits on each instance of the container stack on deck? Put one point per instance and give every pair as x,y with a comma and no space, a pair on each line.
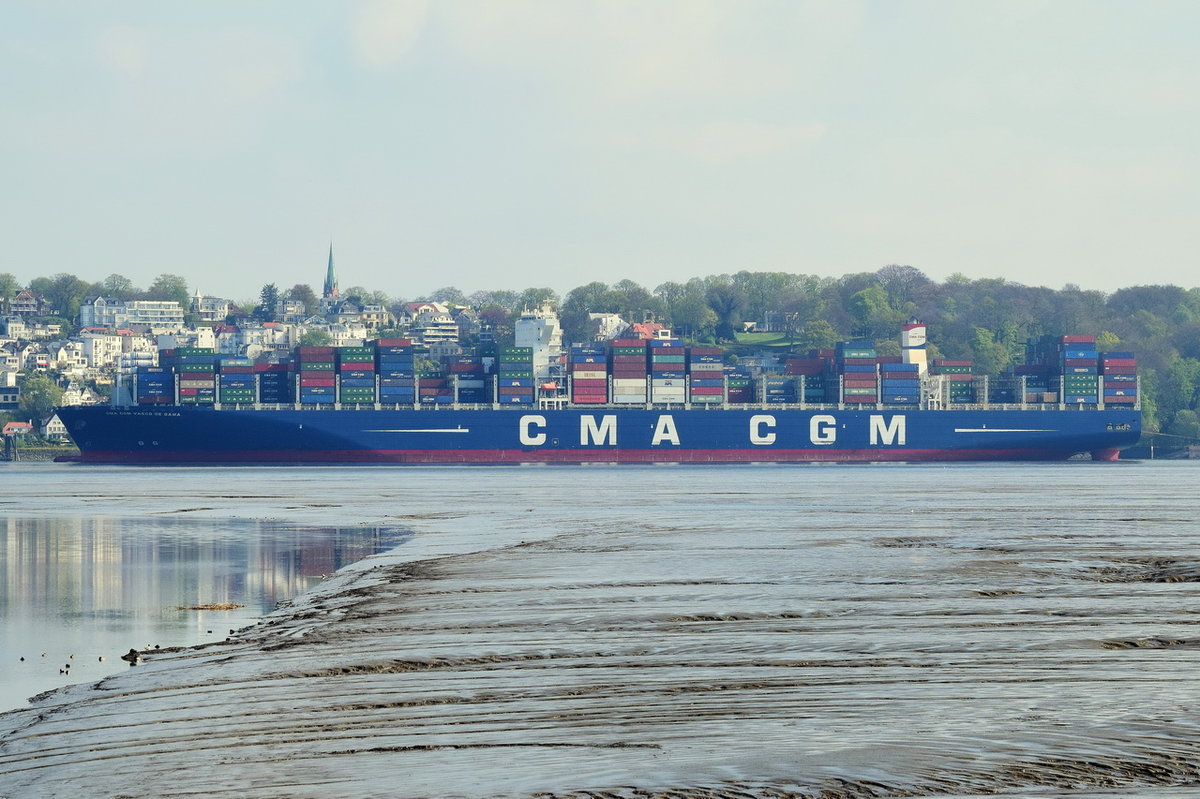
154,385
1119,373
814,370
396,370
1058,369
959,378
276,383
588,368
856,362
196,368
668,371
356,375
1079,366
739,386
900,383
515,381
467,379
318,377
706,375
629,370
235,381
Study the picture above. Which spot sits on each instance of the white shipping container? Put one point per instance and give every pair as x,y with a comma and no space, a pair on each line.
707,367
666,382
590,375
625,382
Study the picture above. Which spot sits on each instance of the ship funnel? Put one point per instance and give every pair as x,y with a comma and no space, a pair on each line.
912,345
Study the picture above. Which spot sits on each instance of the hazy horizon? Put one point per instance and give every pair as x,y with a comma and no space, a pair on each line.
534,143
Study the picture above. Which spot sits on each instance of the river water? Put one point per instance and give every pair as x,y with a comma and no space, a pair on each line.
743,631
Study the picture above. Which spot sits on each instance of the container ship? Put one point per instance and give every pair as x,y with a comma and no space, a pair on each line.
623,401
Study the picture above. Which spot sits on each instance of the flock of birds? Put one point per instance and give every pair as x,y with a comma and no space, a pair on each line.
132,657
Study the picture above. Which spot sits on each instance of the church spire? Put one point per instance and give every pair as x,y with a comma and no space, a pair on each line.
331,286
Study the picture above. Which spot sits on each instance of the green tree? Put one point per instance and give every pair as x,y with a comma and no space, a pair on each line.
64,293
726,301
534,298
304,293
40,395
268,298
170,287
315,338
873,313
8,287
117,287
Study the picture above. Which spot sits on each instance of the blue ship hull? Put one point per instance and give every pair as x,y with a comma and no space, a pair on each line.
197,435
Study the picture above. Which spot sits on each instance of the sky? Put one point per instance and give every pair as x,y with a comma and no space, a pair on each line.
506,144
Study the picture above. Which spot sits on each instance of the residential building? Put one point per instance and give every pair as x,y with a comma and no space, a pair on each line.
153,316
10,398
28,303
54,430
209,309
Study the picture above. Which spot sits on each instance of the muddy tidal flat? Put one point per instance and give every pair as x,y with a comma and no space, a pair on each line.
816,631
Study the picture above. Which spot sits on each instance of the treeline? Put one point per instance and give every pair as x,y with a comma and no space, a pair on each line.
987,320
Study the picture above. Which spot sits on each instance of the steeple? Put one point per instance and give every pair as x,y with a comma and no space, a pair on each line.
331,286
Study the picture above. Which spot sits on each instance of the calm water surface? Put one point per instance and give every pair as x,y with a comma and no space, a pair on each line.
1027,612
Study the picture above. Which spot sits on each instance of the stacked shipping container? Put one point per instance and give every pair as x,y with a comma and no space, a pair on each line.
235,381
196,370
855,361
627,359
318,377
1118,372
959,379
396,370
587,366
706,375
515,379
668,371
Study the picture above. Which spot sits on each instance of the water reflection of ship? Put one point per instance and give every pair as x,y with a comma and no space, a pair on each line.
106,568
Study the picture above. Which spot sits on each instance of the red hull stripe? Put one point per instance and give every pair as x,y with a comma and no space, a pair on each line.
514,456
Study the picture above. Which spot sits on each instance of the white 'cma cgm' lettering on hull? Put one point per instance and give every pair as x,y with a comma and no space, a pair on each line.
761,432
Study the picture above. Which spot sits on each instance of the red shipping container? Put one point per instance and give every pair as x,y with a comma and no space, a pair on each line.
851,382
432,382
1079,361
1120,370
513,391
307,382
951,362
627,342
628,359
859,361
1119,362
707,351
589,383
394,342
315,350
188,392
1127,400
1078,340
466,367
707,391
357,366
272,367
237,370
851,398
805,366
